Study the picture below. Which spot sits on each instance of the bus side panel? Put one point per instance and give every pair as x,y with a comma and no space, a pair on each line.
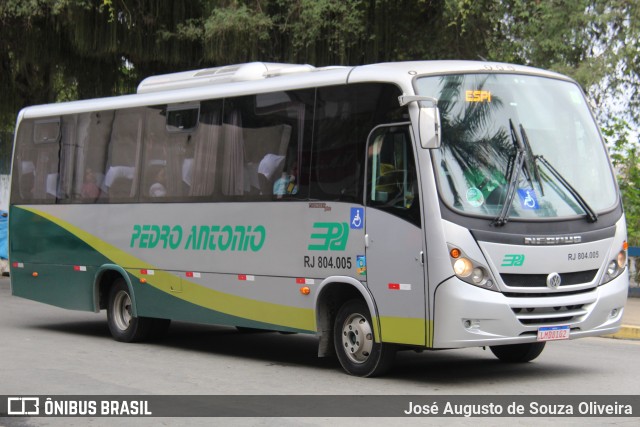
36,248
155,302
239,299
54,284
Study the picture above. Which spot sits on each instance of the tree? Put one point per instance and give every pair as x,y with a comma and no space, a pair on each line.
625,156
53,50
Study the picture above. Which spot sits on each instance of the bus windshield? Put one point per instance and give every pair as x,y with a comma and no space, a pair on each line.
526,142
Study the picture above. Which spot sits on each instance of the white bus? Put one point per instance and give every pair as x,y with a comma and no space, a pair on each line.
411,205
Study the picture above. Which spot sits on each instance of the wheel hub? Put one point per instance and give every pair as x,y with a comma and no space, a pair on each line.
122,310
357,338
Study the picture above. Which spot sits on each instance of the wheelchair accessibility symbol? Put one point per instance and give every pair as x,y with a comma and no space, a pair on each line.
528,198
357,218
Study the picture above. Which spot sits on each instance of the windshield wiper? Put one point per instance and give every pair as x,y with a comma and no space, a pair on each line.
523,149
591,215
513,175
531,158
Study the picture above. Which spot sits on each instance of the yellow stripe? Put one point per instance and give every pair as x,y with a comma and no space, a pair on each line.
277,314
403,330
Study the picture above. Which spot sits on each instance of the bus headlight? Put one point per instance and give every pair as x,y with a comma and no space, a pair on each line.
622,259
470,271
462,267
616,266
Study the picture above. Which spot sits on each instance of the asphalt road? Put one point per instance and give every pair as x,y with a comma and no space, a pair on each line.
45,350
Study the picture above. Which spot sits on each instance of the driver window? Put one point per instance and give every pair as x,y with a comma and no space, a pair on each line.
391,173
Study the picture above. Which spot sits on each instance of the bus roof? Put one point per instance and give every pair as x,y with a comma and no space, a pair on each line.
258,77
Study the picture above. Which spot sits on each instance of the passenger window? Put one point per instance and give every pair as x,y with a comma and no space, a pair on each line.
202,158
121,175
93,134
37,161
391,173
263,136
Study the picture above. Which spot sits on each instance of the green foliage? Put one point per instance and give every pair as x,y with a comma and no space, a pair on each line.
625,156
53,50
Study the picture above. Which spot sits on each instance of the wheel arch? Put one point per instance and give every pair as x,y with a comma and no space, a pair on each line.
332,293
104,278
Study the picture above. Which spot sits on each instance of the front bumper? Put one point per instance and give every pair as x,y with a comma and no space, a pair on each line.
468,316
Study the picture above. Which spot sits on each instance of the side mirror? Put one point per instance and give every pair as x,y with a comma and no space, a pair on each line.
429,127
428,120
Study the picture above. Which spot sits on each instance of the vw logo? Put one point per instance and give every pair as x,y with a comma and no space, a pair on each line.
554,280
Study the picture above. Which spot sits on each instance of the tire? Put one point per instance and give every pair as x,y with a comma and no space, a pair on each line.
355,346
123,325
518,353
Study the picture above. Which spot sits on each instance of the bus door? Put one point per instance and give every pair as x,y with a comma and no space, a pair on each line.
394,237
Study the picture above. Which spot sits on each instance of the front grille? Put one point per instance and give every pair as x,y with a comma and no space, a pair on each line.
545,294
540,280
549,315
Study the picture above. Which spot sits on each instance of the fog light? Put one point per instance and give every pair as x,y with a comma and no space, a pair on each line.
463,267
471,324
614,313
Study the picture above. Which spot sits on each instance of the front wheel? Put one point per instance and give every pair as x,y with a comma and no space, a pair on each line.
518,353
123,325
353,338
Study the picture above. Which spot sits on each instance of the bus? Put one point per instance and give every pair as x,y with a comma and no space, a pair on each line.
398,206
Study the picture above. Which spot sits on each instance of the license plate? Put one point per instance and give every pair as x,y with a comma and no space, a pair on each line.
551,333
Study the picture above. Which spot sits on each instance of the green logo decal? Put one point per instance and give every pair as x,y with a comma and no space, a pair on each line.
513,260
334,238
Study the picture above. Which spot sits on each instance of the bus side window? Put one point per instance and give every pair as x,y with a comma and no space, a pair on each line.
121,174
261,145
24,165
47,146
124,152
266,149
93,132
37,160
281,137
180,154
391,174
200,166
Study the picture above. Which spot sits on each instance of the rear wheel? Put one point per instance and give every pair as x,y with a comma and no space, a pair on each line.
123,325
353,337
518,353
